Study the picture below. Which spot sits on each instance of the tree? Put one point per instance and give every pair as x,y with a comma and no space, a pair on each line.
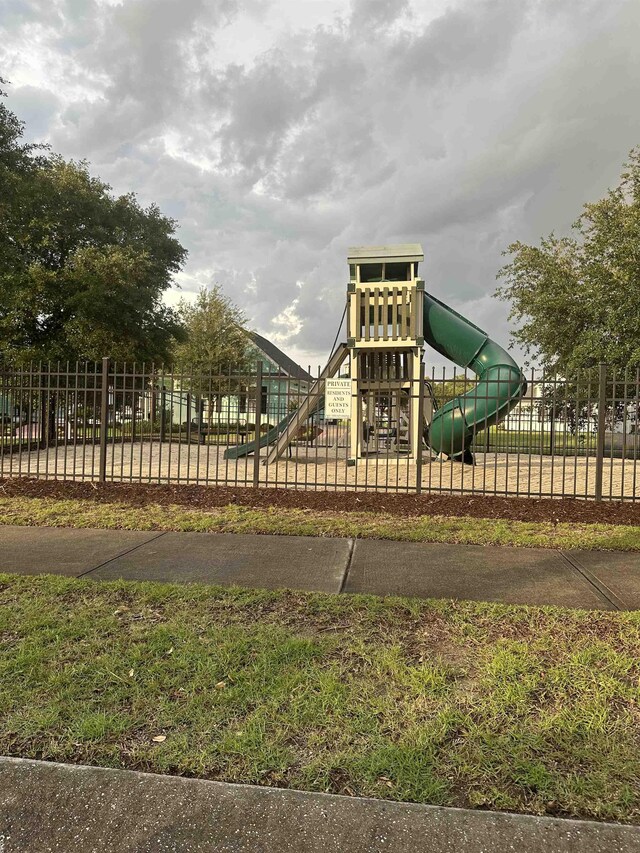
215,336
215,351
576,299
82,272
18,164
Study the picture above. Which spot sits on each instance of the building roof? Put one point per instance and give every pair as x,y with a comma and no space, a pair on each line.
272,352
398,252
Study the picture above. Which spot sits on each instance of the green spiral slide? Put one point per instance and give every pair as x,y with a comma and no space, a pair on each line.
500,384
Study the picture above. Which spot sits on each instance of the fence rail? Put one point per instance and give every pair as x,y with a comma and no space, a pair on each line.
114,422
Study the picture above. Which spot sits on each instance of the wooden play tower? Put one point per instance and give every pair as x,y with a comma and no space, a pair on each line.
386,344
391,409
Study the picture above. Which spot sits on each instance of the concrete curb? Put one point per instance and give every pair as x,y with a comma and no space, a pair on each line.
46,807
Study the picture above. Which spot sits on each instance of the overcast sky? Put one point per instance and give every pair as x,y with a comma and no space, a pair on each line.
280,132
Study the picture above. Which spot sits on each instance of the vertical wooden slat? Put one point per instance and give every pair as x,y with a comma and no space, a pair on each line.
418,311
403,316
411,293
366,299
376,314
385,313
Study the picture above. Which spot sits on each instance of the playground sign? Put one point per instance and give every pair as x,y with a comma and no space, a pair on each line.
337,398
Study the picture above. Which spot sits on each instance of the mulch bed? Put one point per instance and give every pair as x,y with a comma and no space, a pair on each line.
204,497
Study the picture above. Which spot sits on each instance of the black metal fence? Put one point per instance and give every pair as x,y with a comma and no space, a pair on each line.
566,437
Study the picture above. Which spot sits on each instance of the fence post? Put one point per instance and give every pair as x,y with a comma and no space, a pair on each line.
200,410
163,411
602,411
44,433
104,416
256,452
420,402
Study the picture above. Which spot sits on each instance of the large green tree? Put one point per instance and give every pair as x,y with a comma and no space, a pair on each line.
576,299
82,272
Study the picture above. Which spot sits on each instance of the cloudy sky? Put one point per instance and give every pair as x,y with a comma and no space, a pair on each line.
280,132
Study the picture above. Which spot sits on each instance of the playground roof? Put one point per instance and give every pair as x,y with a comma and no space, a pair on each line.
287,365
397,252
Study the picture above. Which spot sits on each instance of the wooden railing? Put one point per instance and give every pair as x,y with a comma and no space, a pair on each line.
385,314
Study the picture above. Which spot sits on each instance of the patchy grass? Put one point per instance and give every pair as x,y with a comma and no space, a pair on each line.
301,522
455,703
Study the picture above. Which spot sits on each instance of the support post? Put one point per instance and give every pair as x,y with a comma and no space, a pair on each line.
415,412
43,415
602,411
200,410
256,452
163,412
134,408
420,403
355,424
104,416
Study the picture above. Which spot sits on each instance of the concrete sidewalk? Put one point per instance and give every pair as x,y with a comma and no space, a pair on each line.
606,580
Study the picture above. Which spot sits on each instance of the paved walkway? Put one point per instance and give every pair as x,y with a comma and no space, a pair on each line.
605,580
46,807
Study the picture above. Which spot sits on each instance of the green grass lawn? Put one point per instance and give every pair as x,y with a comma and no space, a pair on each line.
462,704
300,522
502,440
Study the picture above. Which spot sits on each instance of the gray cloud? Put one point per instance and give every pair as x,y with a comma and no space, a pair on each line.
490,122
369,15
473,38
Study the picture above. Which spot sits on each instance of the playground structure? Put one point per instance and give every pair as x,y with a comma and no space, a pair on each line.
390,319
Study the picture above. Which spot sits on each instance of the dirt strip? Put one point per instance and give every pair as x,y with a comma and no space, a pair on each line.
477,506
